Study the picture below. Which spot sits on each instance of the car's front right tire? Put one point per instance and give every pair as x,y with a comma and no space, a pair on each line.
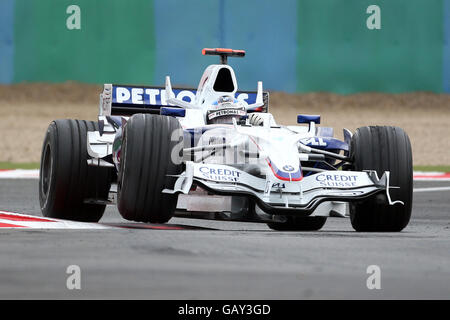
65,178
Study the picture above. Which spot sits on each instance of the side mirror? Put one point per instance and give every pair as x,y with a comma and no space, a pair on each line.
307,118
175,112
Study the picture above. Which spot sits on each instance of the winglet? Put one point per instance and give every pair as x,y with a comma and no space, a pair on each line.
169,92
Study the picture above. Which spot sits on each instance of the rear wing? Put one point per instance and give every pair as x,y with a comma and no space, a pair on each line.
224,53
126,100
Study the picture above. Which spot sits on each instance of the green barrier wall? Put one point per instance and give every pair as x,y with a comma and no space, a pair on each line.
115,43
337,52
292,45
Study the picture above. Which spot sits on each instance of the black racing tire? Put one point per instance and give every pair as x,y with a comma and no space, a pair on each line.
65,179
146,168
299,224
383,148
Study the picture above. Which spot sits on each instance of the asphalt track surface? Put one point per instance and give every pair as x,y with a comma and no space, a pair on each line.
226,260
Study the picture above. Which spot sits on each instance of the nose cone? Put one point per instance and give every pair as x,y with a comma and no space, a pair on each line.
285,164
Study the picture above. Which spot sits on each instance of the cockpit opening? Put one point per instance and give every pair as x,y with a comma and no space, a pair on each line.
224,81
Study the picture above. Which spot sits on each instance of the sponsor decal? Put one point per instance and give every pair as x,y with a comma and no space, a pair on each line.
325,142
274,185
282,175
288,168
148,96
217,139
315,141
157,96
226,112
337,180
219,174
278,185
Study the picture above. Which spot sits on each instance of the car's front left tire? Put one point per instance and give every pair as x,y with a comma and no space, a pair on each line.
383,148
148,165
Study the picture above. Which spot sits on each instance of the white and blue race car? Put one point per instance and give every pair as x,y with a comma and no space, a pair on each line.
217,153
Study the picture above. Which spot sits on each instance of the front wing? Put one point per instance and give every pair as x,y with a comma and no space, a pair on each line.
284,197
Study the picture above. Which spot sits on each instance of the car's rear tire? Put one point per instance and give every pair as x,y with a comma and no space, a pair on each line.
65,179
299,224
383,148
147,167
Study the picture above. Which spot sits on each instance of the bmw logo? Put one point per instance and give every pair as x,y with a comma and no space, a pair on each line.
288,168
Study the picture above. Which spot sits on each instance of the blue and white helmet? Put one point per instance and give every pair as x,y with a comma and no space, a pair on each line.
224,109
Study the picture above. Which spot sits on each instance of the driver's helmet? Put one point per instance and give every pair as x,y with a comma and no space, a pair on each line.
224,109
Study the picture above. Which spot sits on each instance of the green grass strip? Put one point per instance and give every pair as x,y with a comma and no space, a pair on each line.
20,165
441,168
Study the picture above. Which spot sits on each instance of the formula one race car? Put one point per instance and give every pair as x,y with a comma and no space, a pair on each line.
217,153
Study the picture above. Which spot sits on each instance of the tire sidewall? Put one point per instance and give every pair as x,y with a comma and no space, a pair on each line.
47,201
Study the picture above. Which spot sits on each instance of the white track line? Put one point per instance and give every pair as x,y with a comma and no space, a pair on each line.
432,189
19,174
431,179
